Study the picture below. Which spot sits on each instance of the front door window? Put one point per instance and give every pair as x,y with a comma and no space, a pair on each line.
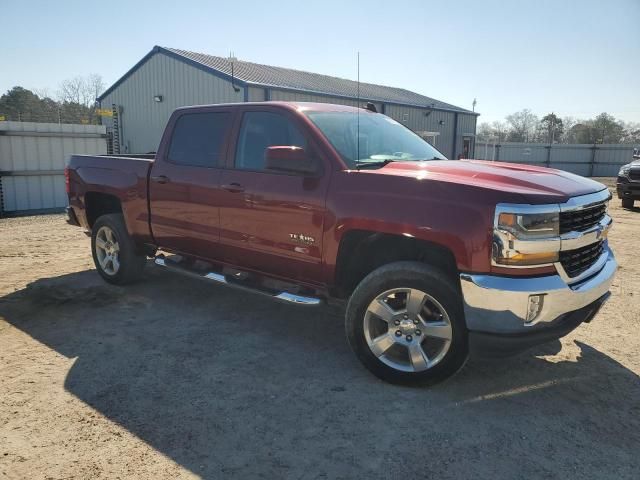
261,130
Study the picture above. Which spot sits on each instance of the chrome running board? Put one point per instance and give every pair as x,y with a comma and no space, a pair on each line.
285,297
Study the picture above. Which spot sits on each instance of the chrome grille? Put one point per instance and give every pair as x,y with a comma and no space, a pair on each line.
583,219
577,261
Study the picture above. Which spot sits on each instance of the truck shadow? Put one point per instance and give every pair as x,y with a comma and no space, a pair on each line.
226,384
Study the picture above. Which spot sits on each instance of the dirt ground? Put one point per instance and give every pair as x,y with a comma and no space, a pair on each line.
176,378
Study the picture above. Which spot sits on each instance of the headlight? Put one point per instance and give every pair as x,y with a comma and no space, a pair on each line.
530,226
624,171
526,239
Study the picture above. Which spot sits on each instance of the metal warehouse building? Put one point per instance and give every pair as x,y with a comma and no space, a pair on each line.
166,78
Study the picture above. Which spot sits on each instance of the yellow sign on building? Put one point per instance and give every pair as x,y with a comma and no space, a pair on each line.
104,112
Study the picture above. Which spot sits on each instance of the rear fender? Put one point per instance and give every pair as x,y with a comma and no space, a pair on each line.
130,189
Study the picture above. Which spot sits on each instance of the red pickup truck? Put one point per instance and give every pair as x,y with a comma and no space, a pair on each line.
310,203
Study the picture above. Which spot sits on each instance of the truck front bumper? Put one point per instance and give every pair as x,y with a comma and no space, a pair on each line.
506,315
628,189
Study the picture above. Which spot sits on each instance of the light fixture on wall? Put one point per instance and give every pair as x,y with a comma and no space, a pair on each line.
429,110
157,98
441,122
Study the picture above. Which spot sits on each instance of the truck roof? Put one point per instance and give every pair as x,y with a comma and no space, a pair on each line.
299,106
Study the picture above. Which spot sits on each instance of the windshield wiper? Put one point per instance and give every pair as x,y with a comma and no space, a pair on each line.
379,163
382,163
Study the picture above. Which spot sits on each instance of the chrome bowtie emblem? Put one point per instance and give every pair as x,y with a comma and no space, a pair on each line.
599,232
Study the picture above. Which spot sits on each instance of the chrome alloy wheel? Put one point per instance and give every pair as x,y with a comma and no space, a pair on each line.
407,329
108,250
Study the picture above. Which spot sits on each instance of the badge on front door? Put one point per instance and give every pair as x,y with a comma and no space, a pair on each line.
302,238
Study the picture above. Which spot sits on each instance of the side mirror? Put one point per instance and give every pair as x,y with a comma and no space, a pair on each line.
289,159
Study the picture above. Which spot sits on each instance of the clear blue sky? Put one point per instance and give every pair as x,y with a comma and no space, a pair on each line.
575,58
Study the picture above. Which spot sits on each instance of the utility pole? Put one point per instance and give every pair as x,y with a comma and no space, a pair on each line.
473,105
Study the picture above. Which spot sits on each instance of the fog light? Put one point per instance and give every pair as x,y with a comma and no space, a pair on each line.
535,307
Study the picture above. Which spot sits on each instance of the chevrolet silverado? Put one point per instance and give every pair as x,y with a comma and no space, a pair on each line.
310,203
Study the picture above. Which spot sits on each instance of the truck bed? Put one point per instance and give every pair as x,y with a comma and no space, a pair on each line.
121,177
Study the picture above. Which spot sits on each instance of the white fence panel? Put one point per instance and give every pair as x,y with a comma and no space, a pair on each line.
32,161
587,160
529,153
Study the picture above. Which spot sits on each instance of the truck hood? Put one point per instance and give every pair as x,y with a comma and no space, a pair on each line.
536,184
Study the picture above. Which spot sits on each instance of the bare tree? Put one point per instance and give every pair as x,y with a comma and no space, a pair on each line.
495,132
500,130
81,90
95,86
523,124
42,92
71,90
568,134
484,132
631,132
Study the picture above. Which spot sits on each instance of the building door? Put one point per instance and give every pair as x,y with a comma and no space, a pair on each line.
466,147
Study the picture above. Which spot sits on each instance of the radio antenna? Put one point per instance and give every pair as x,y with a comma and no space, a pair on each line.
232,59
358,117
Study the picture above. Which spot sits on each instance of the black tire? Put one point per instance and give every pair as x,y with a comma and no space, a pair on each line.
627,203
414,275
131,261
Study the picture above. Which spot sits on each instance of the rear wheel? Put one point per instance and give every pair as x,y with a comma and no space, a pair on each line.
114,252
406,325
627,203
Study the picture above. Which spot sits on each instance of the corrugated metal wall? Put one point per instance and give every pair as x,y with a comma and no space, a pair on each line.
414,118
289,96
33,157
256,94
582,159
143,120
418,120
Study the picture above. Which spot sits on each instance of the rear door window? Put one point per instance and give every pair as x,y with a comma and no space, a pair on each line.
199,138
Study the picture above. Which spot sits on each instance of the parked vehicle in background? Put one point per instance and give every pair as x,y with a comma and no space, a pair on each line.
309,203
628,182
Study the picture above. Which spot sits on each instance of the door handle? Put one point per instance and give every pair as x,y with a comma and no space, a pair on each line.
233,188
161,179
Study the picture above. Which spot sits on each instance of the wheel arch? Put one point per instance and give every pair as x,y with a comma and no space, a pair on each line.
100,203
362,251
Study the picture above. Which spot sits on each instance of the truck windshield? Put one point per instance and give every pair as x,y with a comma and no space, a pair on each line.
382,139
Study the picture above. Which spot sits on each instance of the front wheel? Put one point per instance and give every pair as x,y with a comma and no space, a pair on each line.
114,252
405,323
